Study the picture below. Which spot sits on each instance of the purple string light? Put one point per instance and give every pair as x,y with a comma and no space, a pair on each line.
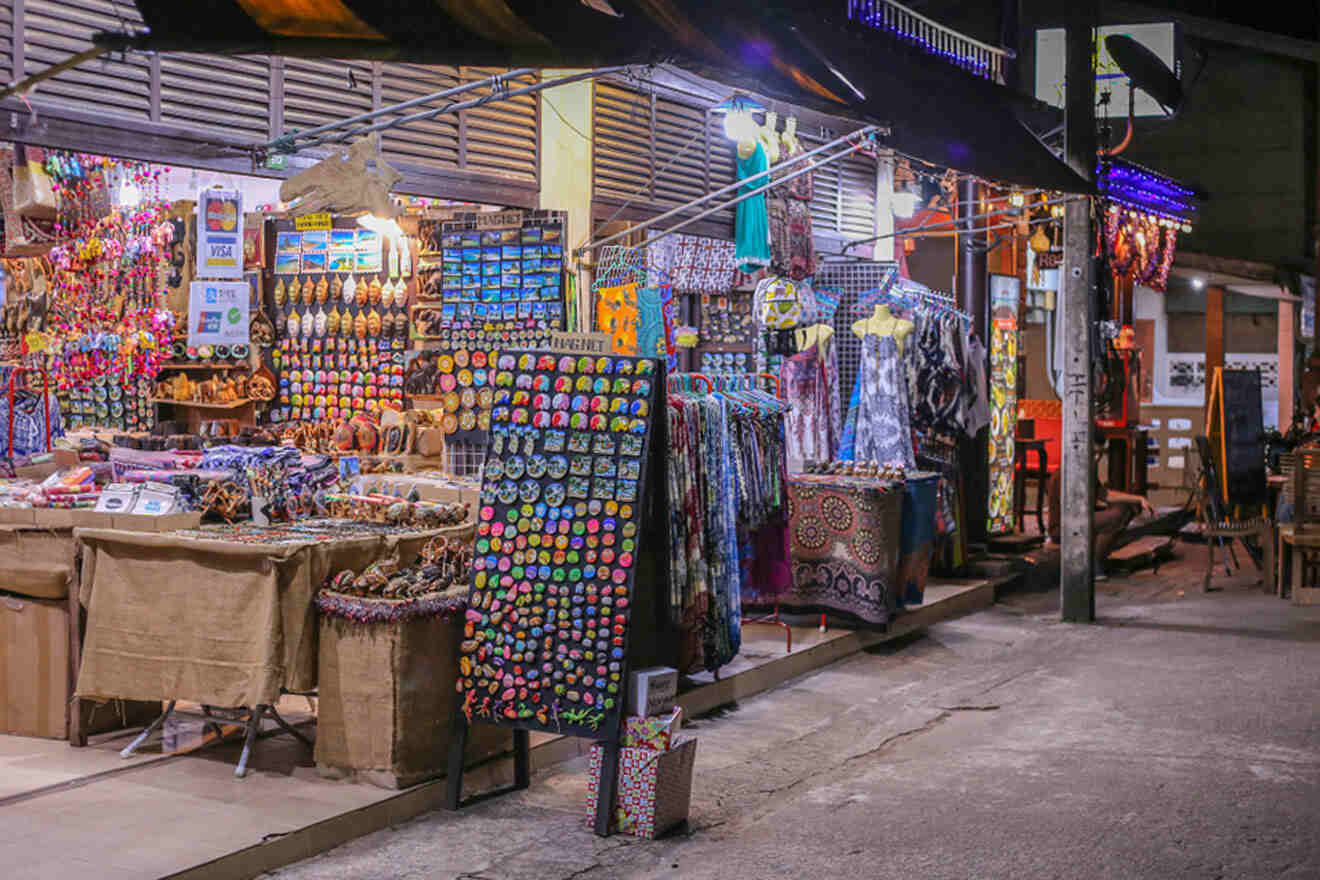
873,15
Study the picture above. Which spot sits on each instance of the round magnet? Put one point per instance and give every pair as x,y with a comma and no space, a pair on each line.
598,422
585,364
444,363
583,384
557,467
563,384
555,493
559,419
567,364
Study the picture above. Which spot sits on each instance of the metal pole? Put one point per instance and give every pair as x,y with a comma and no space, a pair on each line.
720,207
954,224
730,188
973,291
1077,490
463,105
289,141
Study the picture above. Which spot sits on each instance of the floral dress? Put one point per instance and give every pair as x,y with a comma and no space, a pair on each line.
883,432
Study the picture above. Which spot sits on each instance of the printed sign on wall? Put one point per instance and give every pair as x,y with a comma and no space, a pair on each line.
220,234
218,312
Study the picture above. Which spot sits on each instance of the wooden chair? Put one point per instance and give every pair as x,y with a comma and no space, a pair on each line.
1300,539
1216,525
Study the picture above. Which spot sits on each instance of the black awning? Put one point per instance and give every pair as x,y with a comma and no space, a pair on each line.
792,50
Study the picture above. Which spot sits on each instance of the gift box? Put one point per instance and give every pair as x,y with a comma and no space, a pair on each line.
654,791
652,691
652,731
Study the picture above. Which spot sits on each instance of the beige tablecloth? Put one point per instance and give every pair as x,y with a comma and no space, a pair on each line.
211,621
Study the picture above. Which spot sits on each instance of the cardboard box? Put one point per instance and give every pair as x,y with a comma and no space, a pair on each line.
34,654
654,792
36,676
652,691
386,701
652,731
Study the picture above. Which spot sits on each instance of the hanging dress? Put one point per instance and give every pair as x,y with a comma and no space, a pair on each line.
751,223
883,434
808,423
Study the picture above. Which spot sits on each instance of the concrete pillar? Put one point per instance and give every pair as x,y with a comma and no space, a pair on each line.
566,169
1214,338
1077,478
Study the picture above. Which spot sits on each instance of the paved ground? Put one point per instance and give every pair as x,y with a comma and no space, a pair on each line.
1177,737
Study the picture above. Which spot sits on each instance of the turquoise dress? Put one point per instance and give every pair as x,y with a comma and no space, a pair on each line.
751,223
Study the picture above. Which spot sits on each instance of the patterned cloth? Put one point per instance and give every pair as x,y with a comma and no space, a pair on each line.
844,534
811,424
694,263
30,425
883,433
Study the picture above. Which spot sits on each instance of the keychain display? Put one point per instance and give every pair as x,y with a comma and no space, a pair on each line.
340,334
493,288
105,331
546,634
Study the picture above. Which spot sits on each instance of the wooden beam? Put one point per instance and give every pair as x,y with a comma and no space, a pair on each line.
1287,360
1245,269
1214,334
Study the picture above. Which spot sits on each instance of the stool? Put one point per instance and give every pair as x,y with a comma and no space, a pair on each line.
1024,471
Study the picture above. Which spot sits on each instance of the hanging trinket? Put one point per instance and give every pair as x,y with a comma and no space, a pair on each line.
308,323
394,258
387,294
308,291
405,258
281,294
373,292
360,326
292,323
350,290
337,288
322,289
332,321
373,323
362,293
322,322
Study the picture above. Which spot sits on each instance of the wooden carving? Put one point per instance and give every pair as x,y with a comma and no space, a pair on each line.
343,183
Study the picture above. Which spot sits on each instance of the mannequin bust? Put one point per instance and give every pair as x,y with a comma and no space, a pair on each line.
789,137
883,323
817,334
769,137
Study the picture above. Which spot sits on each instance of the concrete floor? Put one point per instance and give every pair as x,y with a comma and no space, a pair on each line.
1177,737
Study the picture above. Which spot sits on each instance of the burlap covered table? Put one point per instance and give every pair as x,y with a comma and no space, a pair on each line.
844,536
216,622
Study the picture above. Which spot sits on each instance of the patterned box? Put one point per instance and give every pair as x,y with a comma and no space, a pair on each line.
655,788
652,731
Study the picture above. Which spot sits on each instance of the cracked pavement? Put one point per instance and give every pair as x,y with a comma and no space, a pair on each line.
1171,739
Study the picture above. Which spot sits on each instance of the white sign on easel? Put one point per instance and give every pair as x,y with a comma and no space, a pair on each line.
220,234
218,313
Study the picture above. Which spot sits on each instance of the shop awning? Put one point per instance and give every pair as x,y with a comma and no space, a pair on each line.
792,50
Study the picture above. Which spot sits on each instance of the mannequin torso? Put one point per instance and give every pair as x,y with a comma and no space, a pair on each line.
883,323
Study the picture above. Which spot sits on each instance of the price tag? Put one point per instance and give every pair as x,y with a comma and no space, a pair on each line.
312,221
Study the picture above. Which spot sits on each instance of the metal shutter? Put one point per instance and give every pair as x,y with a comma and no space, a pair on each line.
6,39
657,152
432,143
229,94
500,137
621,135
56,29
318,91
857,211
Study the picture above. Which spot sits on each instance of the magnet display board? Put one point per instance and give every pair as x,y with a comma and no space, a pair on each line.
567,480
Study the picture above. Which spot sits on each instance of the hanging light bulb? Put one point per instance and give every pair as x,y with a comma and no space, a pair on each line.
907,191
738,122
1017,198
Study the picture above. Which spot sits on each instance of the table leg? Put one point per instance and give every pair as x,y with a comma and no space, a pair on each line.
1298,563
250,740
151,728
1267,542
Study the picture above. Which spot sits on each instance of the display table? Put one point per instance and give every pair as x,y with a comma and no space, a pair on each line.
222,617
43,633
844,534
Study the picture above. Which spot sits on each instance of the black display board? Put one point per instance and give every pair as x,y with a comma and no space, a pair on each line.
1242,437
568,476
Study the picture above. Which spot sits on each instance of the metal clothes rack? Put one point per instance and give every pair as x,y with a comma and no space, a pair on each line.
737,382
